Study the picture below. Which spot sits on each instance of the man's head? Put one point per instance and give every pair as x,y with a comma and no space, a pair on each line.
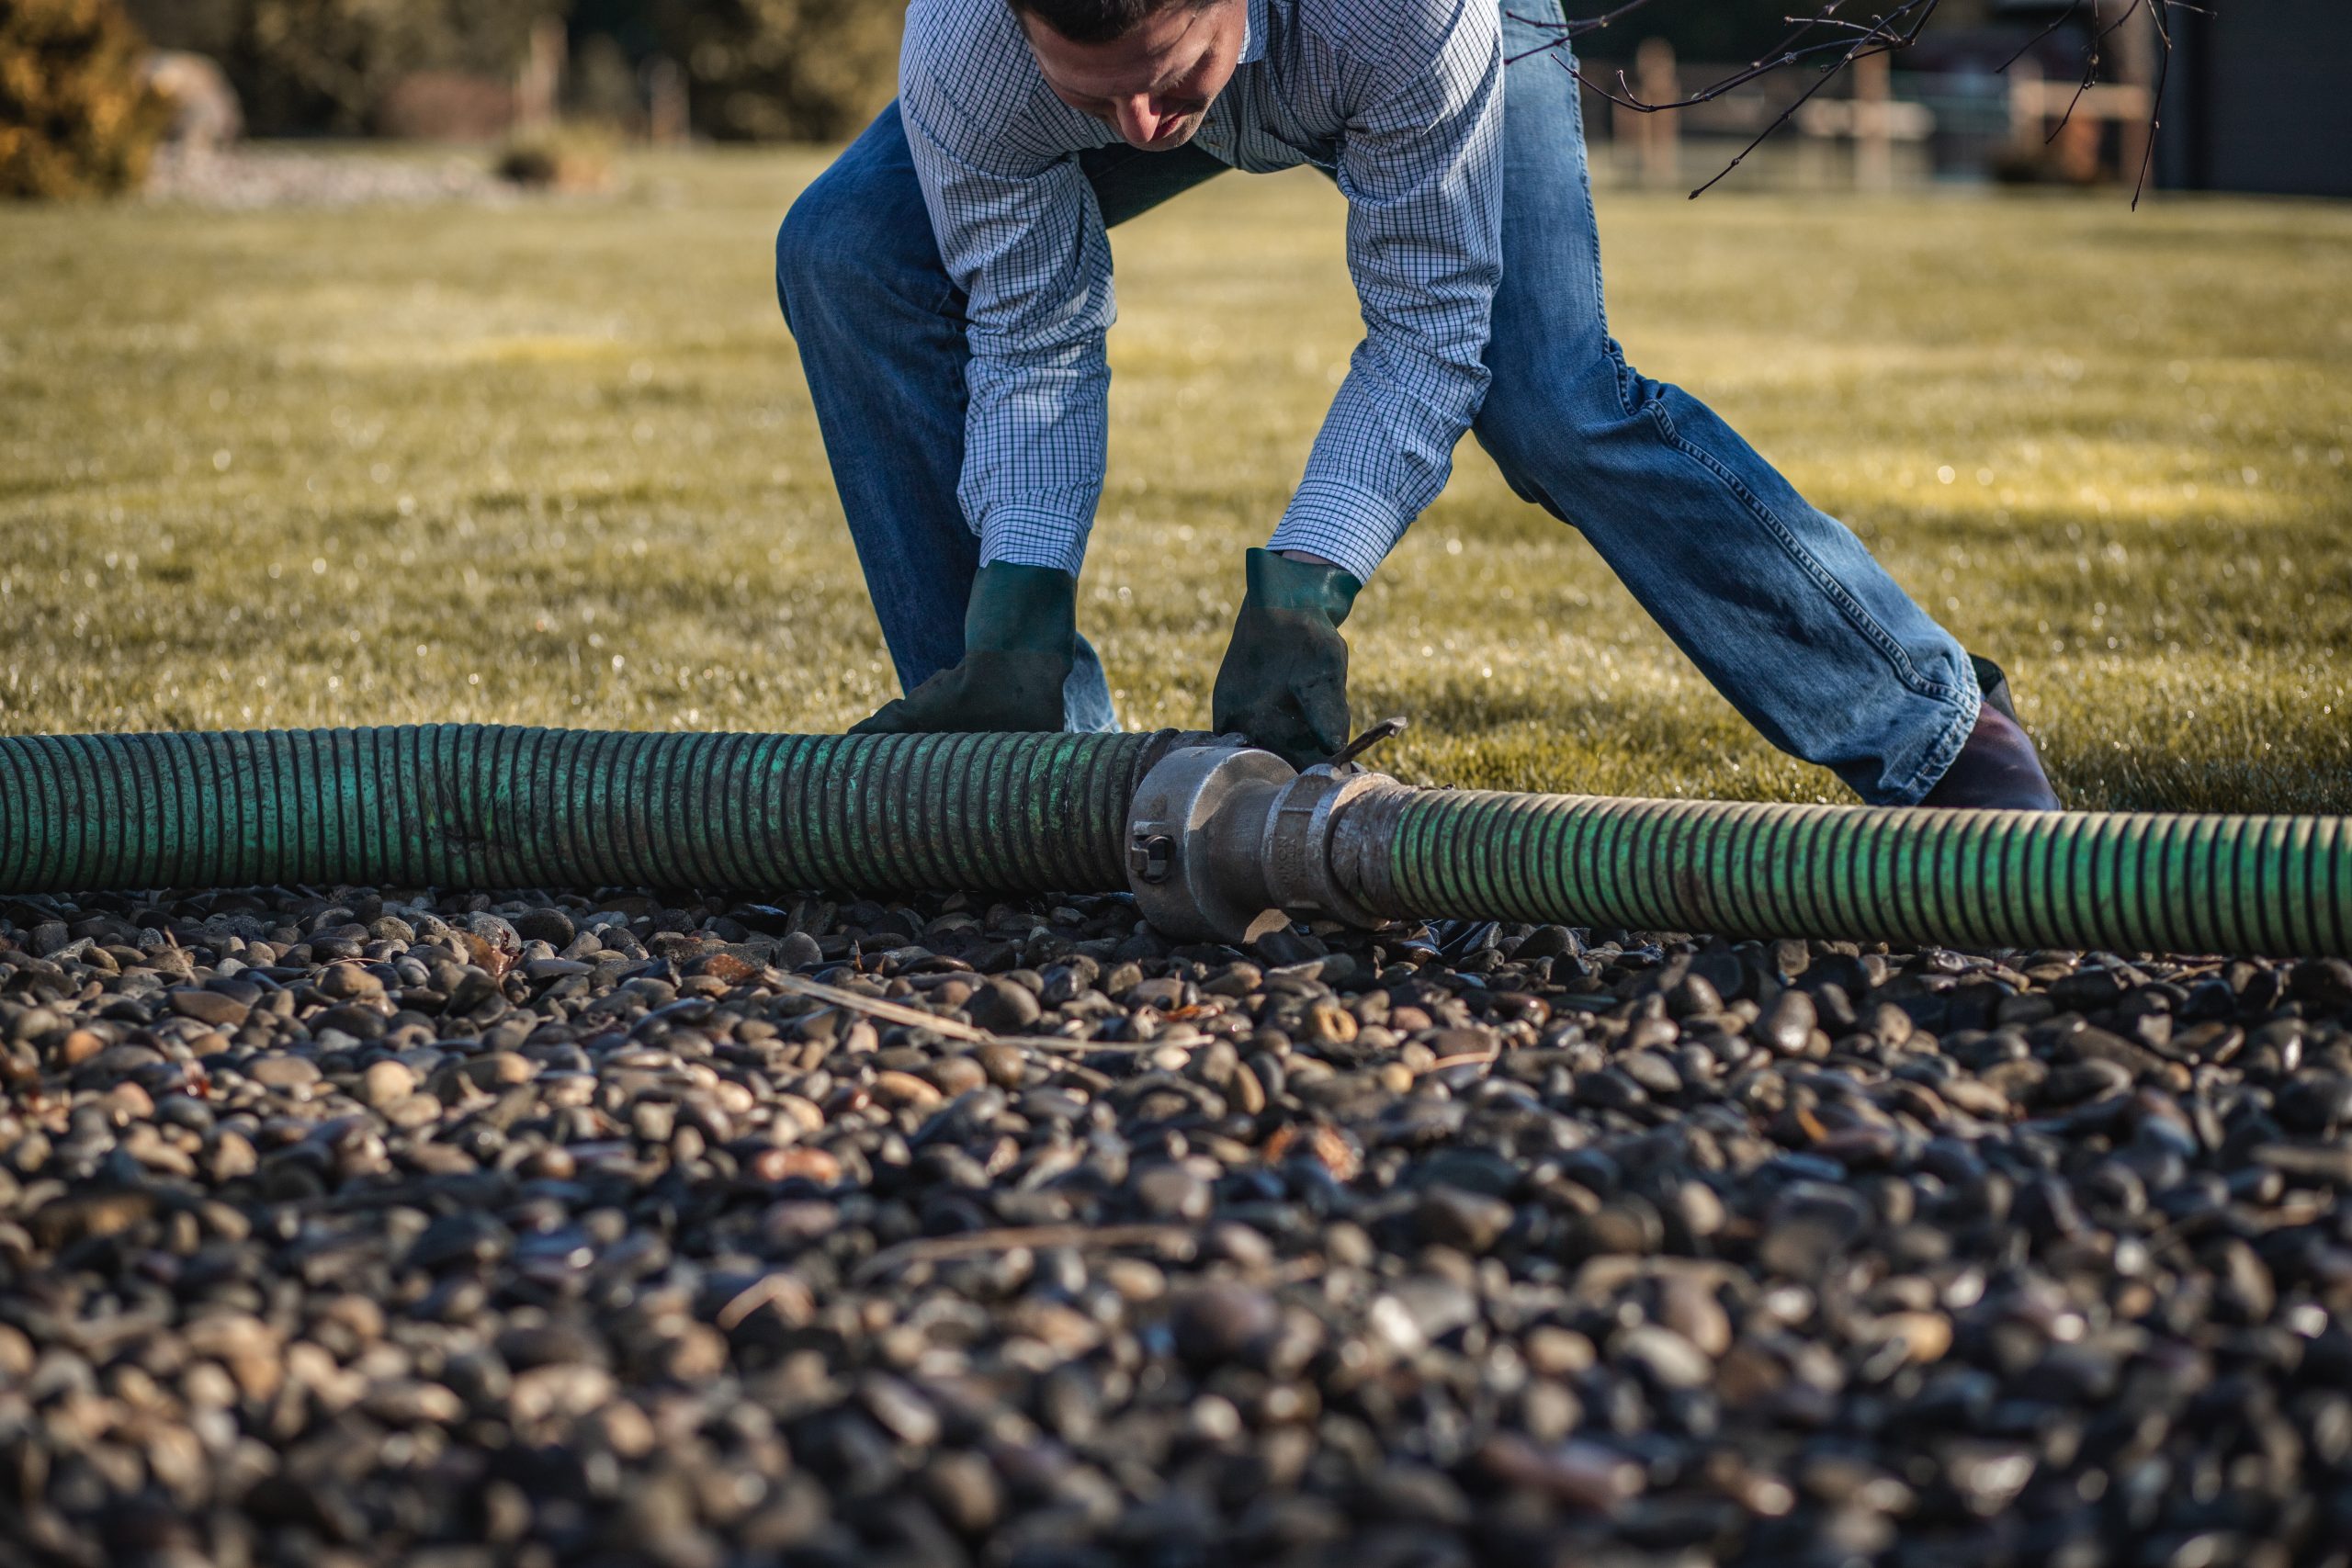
1148,69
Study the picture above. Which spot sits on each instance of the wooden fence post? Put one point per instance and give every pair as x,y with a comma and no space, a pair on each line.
541,78
1873,123
1659,135
667,122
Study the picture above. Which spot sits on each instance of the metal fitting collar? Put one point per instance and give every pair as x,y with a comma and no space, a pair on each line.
1225,843
1296,858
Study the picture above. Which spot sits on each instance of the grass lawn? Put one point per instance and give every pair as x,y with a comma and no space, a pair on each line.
554,463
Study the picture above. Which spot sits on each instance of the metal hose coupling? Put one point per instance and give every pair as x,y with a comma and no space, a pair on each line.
1226,842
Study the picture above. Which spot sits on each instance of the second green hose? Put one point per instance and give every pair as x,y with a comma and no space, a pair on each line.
2129,882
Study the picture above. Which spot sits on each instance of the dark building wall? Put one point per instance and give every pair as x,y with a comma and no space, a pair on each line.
2260,99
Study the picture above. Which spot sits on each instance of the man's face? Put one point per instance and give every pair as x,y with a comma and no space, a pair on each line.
1154,85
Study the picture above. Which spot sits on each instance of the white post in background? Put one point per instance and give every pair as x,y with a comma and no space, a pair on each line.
1873,123
2138,45
537,85
1658,135
667,123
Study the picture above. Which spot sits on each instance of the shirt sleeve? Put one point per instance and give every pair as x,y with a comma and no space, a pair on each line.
1421,165
1021,236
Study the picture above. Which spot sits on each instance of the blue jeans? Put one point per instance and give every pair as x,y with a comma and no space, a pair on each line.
1776,602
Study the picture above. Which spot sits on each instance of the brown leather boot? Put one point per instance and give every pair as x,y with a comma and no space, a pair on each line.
1997,769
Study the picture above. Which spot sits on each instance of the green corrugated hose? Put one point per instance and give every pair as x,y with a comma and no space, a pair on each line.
491,806
2114,881
464,804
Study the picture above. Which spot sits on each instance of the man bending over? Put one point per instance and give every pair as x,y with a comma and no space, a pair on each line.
948,282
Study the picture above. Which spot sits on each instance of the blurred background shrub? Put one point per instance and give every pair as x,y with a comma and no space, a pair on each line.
785,70
78,116
744,70
351,67
563,158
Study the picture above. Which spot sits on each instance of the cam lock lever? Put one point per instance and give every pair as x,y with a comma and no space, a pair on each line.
1386,729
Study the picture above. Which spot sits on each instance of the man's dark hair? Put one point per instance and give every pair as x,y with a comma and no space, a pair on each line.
1099,21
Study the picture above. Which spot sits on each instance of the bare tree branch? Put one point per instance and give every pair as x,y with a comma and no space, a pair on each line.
2068,15
1887,32
2090,64
2155,101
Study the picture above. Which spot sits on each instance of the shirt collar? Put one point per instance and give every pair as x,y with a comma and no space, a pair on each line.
1253,40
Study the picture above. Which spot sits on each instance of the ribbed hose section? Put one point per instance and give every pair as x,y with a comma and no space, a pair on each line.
2109,881
481,806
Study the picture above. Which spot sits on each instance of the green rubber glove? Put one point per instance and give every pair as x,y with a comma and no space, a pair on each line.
1283,686
1020,639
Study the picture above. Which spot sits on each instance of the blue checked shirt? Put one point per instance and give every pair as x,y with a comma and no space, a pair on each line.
1401,100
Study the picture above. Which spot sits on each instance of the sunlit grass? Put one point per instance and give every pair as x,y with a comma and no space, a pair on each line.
554,463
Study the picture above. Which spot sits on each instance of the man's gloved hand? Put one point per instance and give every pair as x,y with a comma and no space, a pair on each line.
1020,639
1283,686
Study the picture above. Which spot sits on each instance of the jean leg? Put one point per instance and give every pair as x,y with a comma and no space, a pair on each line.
880,330
880,327
1776,602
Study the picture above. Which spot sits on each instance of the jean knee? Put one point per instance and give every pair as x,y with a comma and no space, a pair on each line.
1541,423
854,242
805,253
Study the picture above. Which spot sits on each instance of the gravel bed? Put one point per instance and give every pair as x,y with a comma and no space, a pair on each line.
384,1226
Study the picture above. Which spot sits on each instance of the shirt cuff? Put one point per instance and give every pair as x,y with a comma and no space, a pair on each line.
1352,528
1032,536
